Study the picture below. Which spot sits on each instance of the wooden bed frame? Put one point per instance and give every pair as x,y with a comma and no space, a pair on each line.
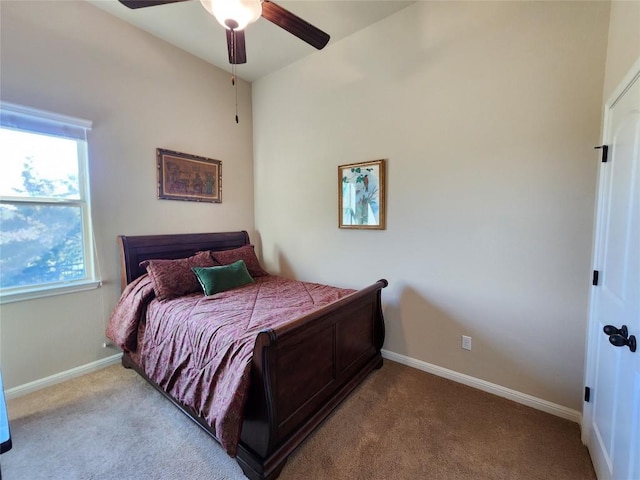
300,372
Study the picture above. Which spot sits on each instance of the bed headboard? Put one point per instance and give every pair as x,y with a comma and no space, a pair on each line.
135,249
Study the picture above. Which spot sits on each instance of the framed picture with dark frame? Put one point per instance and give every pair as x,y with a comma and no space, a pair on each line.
361,195
182,176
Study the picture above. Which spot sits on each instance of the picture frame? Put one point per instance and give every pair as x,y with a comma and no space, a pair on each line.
191,178
361,195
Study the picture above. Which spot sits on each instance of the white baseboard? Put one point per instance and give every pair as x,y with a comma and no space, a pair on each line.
61,377
519,397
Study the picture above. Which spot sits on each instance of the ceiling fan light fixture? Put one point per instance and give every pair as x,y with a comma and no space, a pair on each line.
234,14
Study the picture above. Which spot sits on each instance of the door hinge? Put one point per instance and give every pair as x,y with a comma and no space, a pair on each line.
587,394
605,152
594,280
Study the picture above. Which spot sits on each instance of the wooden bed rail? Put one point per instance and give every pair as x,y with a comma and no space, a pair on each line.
313,317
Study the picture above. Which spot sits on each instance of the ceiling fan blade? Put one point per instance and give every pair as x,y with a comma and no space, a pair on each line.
146,3
236,47
294,24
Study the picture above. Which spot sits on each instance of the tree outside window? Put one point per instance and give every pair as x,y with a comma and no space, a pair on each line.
45,234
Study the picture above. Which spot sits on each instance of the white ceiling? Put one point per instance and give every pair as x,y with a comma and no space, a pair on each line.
189,26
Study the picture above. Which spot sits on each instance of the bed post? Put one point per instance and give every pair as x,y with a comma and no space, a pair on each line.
258,428
379,324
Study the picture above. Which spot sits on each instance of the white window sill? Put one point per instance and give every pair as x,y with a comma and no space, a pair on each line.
31,294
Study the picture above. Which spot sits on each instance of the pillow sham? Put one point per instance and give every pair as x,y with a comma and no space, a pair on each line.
219,279
174,278
246,253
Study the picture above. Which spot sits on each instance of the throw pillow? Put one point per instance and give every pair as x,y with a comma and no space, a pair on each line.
219,279
246,253
174,278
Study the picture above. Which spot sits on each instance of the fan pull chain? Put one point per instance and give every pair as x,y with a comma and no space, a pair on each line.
234,69
236,90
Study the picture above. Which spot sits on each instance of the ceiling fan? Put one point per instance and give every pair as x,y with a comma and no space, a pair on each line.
235,15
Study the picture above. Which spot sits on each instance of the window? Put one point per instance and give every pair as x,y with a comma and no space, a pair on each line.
46,240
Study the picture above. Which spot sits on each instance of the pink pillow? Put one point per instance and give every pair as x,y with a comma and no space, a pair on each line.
246,253
174,278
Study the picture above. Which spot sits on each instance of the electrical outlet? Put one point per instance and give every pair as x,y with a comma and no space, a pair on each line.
466,342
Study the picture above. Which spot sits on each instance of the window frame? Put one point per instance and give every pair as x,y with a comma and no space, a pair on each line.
41,122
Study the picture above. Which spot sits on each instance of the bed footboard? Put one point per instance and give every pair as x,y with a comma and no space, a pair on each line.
302,371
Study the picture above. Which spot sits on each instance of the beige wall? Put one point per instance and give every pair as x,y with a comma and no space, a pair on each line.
74,59
623,48
487,113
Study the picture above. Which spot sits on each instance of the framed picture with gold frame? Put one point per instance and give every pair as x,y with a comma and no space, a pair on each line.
188,177
361,195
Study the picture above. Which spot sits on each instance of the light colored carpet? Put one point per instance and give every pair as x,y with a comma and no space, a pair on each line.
399,424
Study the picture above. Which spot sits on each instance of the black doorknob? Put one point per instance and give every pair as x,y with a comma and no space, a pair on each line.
620,341
611,330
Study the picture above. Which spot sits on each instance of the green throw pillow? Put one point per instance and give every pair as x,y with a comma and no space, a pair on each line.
219,279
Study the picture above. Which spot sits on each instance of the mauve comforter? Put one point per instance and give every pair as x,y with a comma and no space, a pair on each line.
199,349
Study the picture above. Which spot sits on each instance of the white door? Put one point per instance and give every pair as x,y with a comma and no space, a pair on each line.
611,421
